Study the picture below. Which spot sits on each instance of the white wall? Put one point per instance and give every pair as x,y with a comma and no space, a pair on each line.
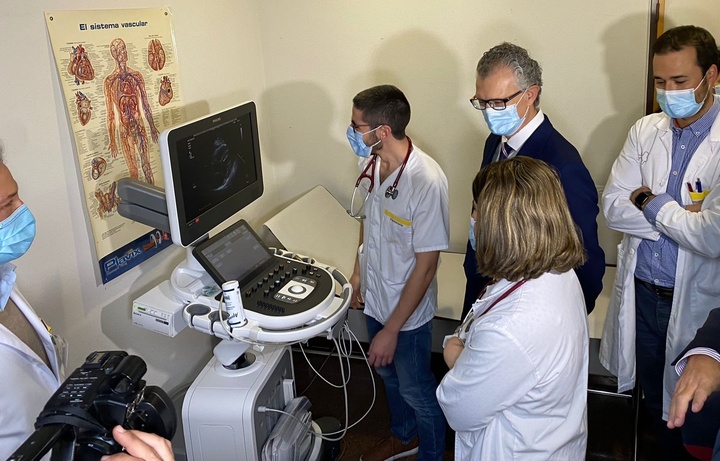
318,55
703,13
303,61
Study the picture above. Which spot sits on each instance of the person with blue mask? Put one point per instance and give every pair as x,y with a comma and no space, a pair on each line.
32,357
507,93
517,384
663,194
404,226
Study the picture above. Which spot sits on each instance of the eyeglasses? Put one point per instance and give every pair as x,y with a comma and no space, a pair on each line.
497,104
355,127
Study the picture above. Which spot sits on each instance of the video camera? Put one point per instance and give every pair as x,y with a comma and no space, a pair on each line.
107,390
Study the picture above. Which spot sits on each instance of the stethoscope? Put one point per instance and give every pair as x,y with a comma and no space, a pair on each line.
462,331
369,173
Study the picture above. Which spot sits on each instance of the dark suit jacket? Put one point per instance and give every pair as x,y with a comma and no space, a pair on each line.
548,145
701,429
707,335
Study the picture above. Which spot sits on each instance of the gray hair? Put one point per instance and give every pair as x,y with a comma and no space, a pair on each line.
527,71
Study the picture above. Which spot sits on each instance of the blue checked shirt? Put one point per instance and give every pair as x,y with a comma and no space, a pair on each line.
657,260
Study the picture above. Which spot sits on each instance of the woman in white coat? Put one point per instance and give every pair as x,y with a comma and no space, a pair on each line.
517,385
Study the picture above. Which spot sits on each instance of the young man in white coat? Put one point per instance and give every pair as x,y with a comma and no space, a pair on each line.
663,193
404,228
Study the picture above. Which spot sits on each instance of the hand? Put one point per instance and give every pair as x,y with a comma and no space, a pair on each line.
695,207
382,348
113,149
641,189
700,378
453,347
357,301
140,446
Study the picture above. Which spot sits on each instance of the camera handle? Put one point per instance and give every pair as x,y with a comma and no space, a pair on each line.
57,437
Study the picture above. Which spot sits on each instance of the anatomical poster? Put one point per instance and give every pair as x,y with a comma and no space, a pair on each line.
118,70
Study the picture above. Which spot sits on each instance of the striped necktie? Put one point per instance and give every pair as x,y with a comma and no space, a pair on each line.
506,151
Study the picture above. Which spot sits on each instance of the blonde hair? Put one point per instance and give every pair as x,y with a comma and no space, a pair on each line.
524,225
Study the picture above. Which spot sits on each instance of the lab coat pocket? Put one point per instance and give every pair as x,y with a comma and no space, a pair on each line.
399,258
623,293
622,267
706,280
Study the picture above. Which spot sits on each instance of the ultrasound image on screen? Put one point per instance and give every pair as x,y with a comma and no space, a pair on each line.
236,254
215,164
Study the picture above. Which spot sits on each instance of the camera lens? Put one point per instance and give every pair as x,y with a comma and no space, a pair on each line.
127,374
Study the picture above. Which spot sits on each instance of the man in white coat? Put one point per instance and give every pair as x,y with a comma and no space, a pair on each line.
663,194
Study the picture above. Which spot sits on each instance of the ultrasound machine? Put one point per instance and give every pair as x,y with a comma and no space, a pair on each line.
258,300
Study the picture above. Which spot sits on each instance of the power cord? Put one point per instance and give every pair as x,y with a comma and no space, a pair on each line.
346,337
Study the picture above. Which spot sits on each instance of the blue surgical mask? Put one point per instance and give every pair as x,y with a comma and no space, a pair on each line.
17,232
471,233
358,145
679,103
717,89
504,122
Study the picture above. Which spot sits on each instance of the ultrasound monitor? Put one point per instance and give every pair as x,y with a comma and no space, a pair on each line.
212,170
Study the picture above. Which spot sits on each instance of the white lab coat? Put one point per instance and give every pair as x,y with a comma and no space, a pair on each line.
416,221
26,383
518,390
646,160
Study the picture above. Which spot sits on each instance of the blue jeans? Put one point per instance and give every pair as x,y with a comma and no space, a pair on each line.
652,314
410,387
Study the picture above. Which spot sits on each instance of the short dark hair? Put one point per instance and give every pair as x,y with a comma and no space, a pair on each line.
384,105
524,225
680,37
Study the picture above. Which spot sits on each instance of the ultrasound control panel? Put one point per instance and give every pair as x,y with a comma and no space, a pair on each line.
270,284
286,288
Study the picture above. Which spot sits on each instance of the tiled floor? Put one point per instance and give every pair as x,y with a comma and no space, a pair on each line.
610,419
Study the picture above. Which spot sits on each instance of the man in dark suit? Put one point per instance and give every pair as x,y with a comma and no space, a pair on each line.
507,91
699,369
